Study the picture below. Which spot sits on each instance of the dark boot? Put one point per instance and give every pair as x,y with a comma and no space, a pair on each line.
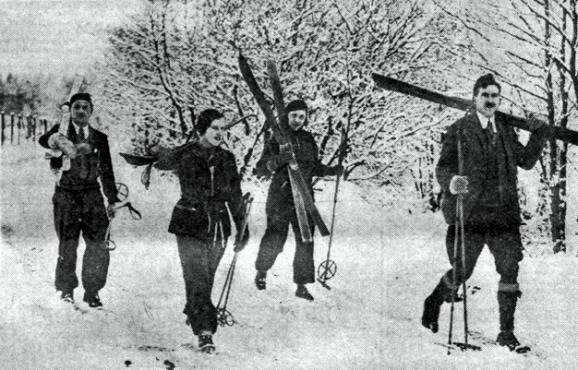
508,339
507,303
206,344
302,292
432,306
261,280
92,299
67,296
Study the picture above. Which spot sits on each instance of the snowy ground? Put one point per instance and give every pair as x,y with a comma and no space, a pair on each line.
388,261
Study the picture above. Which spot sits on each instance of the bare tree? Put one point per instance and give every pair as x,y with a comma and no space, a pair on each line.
179,57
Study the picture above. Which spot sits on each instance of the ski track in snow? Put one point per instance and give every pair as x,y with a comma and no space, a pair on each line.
388,262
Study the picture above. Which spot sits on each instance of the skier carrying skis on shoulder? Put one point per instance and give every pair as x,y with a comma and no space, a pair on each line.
209,182
280,207
490,153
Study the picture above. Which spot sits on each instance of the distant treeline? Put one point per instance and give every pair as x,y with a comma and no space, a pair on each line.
19,94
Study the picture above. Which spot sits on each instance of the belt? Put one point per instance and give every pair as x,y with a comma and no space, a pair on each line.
84,187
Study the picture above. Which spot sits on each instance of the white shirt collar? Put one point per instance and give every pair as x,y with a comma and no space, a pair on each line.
484,121
77,128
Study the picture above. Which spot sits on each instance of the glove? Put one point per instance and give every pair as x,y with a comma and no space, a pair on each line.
279,161
459,185
336,170
111,209
537,125
241,242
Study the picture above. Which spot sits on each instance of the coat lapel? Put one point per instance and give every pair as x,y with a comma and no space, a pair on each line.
474,134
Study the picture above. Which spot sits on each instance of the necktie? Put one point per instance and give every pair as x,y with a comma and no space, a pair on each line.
490,134
83,159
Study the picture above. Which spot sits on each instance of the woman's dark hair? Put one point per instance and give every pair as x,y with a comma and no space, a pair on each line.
205,119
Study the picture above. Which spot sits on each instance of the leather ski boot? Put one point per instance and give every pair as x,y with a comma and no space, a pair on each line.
261,280
206,344
507,302
432,306
302,292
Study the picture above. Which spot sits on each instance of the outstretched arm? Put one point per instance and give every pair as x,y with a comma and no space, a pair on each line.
528,155
168,159
319,169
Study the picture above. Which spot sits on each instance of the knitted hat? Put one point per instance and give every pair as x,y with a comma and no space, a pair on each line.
82,96
296,105
485,81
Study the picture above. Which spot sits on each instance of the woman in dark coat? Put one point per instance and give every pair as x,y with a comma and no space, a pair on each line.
210,183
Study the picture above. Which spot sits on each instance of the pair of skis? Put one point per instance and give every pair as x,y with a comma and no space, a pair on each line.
561,133
304,204
303,200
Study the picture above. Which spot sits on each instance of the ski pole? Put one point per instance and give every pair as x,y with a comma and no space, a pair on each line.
122,194
459,223
463,243
460,216
328,268
454,274
224,317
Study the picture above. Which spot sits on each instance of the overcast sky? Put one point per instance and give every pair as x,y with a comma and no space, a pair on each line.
56,36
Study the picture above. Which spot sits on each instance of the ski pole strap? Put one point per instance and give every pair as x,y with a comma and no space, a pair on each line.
134,213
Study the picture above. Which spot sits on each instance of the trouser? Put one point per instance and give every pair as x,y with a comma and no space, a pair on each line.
506,246
76,211
271,246
199,260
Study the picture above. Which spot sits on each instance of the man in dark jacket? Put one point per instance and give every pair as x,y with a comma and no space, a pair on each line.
487,181
209,183
79,206
280,208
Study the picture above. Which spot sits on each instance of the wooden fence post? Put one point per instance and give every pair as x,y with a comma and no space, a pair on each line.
11,127
28,126
3,127
18,128
34,121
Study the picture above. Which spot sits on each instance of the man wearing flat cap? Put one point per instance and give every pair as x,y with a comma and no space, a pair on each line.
280,207
478,161
79,205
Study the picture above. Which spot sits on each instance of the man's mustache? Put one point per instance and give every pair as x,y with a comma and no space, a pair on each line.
490,105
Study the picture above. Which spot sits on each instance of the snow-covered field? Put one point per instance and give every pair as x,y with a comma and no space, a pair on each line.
388,262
